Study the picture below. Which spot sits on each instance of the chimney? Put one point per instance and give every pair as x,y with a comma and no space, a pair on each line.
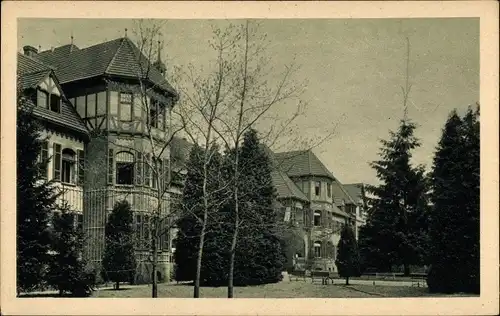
30,51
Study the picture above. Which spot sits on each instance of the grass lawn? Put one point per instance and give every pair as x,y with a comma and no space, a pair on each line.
277,290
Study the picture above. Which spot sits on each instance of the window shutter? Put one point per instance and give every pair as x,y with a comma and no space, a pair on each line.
81,167
110,166
138,169
45,157
57,162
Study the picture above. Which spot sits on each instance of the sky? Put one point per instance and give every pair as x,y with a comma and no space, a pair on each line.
353,69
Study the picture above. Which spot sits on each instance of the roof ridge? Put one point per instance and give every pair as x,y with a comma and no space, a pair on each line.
85,48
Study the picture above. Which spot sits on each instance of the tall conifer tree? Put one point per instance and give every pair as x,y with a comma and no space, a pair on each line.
35,201
396,230
348,259
118,261
189,224
259,256
455,218
67,266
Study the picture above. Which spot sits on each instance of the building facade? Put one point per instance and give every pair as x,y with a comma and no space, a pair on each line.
115,107
316,204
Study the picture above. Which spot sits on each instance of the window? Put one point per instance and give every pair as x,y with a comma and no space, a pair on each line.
317,188
125,107
317,249
124,168
153,114
287,213
48,100
42,98
329,189
68,166
317,218
154,172
44,159
55,103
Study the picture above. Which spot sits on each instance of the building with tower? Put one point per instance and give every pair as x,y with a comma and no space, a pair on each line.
112,108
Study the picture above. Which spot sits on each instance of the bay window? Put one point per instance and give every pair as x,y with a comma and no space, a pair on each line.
124,168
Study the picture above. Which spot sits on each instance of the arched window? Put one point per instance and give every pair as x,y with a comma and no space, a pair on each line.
317,249
317,218
124,168
68,166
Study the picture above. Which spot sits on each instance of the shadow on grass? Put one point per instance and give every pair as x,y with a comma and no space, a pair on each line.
46,295
117,290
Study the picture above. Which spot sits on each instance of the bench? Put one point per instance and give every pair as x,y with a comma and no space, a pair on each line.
299,275
324,276
385,275
419,279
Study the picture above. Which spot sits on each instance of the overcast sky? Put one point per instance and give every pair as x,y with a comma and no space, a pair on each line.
354,68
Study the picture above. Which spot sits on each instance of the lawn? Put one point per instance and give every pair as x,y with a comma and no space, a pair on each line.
277,290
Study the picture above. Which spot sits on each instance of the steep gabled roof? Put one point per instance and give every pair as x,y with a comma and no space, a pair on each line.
338,191
30,73
28,65
355,190
119,57
285,187
302,163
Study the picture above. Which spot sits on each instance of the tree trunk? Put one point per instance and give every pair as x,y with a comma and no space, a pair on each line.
154,287
196,293
407,269
347,281
230,287
236,224
117,285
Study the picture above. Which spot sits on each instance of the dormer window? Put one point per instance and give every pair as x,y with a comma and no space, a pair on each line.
48,100
55,103
42,98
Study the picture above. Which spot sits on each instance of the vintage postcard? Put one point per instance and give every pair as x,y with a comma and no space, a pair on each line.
268,157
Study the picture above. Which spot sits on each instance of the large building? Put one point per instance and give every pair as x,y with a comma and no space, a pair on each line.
316,205
106,113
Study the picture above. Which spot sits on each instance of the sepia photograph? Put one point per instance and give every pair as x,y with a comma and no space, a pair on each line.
263,158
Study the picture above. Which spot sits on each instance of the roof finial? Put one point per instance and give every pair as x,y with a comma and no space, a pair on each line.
125,32
39,48
159,51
